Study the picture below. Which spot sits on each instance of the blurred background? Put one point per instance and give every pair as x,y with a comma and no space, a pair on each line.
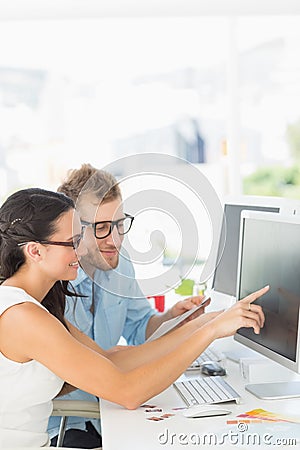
218,86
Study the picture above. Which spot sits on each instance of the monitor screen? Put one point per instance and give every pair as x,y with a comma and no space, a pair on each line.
269,253
227,258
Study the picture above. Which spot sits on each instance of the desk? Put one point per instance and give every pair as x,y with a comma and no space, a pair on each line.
130,430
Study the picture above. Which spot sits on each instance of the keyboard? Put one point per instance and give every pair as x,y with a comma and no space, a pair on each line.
198,391
208,355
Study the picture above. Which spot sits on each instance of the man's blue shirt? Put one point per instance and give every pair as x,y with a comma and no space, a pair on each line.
120,309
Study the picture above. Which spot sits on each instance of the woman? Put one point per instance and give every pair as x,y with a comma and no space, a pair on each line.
41,244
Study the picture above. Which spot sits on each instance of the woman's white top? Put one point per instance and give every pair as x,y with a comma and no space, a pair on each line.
26,390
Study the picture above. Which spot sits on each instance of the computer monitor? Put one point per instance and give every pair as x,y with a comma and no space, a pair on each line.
269,253
224,280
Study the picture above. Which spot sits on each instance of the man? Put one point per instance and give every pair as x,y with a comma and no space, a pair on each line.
112,304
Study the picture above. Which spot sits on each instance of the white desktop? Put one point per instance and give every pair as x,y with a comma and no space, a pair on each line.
129,430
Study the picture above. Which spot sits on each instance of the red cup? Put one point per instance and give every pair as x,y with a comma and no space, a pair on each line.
159,302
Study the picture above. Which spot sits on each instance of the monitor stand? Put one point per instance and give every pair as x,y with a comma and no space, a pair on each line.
273,391
240,352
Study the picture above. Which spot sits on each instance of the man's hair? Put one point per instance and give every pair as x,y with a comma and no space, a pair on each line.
90,181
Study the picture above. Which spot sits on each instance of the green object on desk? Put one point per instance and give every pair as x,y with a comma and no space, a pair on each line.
185,287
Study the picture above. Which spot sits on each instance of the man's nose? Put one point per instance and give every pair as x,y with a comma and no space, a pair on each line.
114,238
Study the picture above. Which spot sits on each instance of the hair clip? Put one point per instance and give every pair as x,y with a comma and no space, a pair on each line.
14,221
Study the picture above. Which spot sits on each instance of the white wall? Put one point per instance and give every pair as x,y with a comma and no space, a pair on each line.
22,9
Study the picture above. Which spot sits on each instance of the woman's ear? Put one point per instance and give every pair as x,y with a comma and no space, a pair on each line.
32,250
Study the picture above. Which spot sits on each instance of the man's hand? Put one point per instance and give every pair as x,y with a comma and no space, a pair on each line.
189,303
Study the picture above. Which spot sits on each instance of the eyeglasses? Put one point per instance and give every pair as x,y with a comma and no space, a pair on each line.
74,243
104,228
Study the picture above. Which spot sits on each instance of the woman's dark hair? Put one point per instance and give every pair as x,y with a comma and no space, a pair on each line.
31,215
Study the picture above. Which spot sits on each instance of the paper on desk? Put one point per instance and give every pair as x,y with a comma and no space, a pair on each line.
270,416
169,325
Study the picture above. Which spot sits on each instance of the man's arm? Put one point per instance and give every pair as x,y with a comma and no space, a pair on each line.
130,357
141,319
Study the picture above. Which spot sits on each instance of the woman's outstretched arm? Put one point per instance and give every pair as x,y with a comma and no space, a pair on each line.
42,337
